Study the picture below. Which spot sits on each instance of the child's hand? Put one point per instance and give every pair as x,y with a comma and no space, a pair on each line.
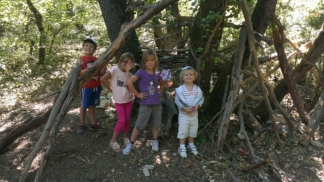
130,64
187,110
141,96
195,108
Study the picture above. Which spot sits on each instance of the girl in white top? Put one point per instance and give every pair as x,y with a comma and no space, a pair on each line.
188,98
118,75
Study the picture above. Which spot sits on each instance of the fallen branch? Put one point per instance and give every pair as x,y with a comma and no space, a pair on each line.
258,165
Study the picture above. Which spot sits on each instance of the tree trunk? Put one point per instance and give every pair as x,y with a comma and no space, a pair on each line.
199,37
309,59
42,37
263,11
115,15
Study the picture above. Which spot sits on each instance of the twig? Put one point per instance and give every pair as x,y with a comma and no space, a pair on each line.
258,165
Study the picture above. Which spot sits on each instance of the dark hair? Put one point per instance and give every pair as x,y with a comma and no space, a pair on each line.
149,52
90,40
126,55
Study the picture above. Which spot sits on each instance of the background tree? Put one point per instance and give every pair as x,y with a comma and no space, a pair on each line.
115,14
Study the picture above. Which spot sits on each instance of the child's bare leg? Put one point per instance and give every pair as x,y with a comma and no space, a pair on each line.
191,140
134,134
182,141
155,133
114,137
125,135
92,114
83,112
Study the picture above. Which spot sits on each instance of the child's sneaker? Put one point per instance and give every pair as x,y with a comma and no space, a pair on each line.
182,151
115,146
155,145
81,128
94,127
126,141
127,150
193,149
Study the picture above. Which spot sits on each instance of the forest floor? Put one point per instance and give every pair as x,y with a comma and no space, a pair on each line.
88,157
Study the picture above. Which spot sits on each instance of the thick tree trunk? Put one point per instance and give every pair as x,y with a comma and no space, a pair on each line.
42,37
309,59
115,15
199,37
263,11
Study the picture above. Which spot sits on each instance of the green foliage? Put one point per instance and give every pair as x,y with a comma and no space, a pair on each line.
66,24
316,16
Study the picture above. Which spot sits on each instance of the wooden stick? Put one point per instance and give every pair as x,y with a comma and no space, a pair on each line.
59,119
256,64
258,165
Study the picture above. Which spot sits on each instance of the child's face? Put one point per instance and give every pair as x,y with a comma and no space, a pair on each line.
123,63
88,49
150,62
188,76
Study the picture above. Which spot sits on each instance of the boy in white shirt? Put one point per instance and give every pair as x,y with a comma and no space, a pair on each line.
188,98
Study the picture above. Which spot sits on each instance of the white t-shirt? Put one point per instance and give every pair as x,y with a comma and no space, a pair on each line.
121,93
189,97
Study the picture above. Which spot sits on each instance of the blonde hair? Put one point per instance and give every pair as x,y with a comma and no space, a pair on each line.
126,55
146,54
188,69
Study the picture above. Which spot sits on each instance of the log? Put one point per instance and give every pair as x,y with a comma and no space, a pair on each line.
25,127
278,39
60,117
314,53
56,108
234,86
258,165
316,116
256,64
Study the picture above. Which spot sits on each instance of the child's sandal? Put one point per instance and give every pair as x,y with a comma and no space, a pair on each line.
115,146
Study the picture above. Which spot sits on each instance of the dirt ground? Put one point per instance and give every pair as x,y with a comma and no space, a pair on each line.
88,157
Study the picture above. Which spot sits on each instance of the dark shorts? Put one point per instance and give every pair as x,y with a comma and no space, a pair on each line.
90,96
148,113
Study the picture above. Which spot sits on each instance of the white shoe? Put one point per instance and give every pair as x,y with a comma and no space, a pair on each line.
127,150
193,149
182,151
155,145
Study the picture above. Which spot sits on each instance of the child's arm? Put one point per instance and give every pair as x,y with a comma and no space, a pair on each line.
162,84
200,101
180,104
103,70
104,81
130,85
128,67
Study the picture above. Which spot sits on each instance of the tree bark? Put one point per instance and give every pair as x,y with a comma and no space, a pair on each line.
252,47
310,58
18,131
198,39
262,13
278,39
42,37
115,15
233,91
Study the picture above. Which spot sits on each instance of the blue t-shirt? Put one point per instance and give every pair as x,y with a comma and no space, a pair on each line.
148,83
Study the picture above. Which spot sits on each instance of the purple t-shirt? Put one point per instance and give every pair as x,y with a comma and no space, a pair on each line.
148,83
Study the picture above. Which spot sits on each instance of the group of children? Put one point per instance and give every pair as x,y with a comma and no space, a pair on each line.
188,98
